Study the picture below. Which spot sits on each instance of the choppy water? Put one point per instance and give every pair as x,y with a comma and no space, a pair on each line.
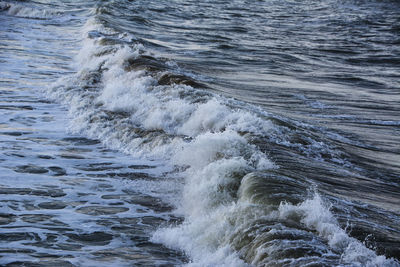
201,133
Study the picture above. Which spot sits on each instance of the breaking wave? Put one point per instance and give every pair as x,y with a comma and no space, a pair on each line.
238,209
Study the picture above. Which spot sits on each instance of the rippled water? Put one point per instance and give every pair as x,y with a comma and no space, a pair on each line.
212,133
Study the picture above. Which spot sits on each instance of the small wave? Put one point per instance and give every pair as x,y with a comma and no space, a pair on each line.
356,119
22,11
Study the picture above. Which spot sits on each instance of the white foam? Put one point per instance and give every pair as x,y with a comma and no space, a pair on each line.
316,215
204,239
159,108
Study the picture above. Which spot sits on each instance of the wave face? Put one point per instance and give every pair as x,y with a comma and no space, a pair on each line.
268,128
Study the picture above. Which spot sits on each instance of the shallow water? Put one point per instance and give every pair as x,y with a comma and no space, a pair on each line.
260,133
66,199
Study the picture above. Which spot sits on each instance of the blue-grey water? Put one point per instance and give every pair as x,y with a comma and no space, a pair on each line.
200,133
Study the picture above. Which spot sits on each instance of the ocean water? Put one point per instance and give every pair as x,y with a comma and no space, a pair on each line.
200,133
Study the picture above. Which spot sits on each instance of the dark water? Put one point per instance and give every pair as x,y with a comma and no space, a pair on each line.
202,133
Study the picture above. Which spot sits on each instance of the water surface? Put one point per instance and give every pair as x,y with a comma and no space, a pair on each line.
213,133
